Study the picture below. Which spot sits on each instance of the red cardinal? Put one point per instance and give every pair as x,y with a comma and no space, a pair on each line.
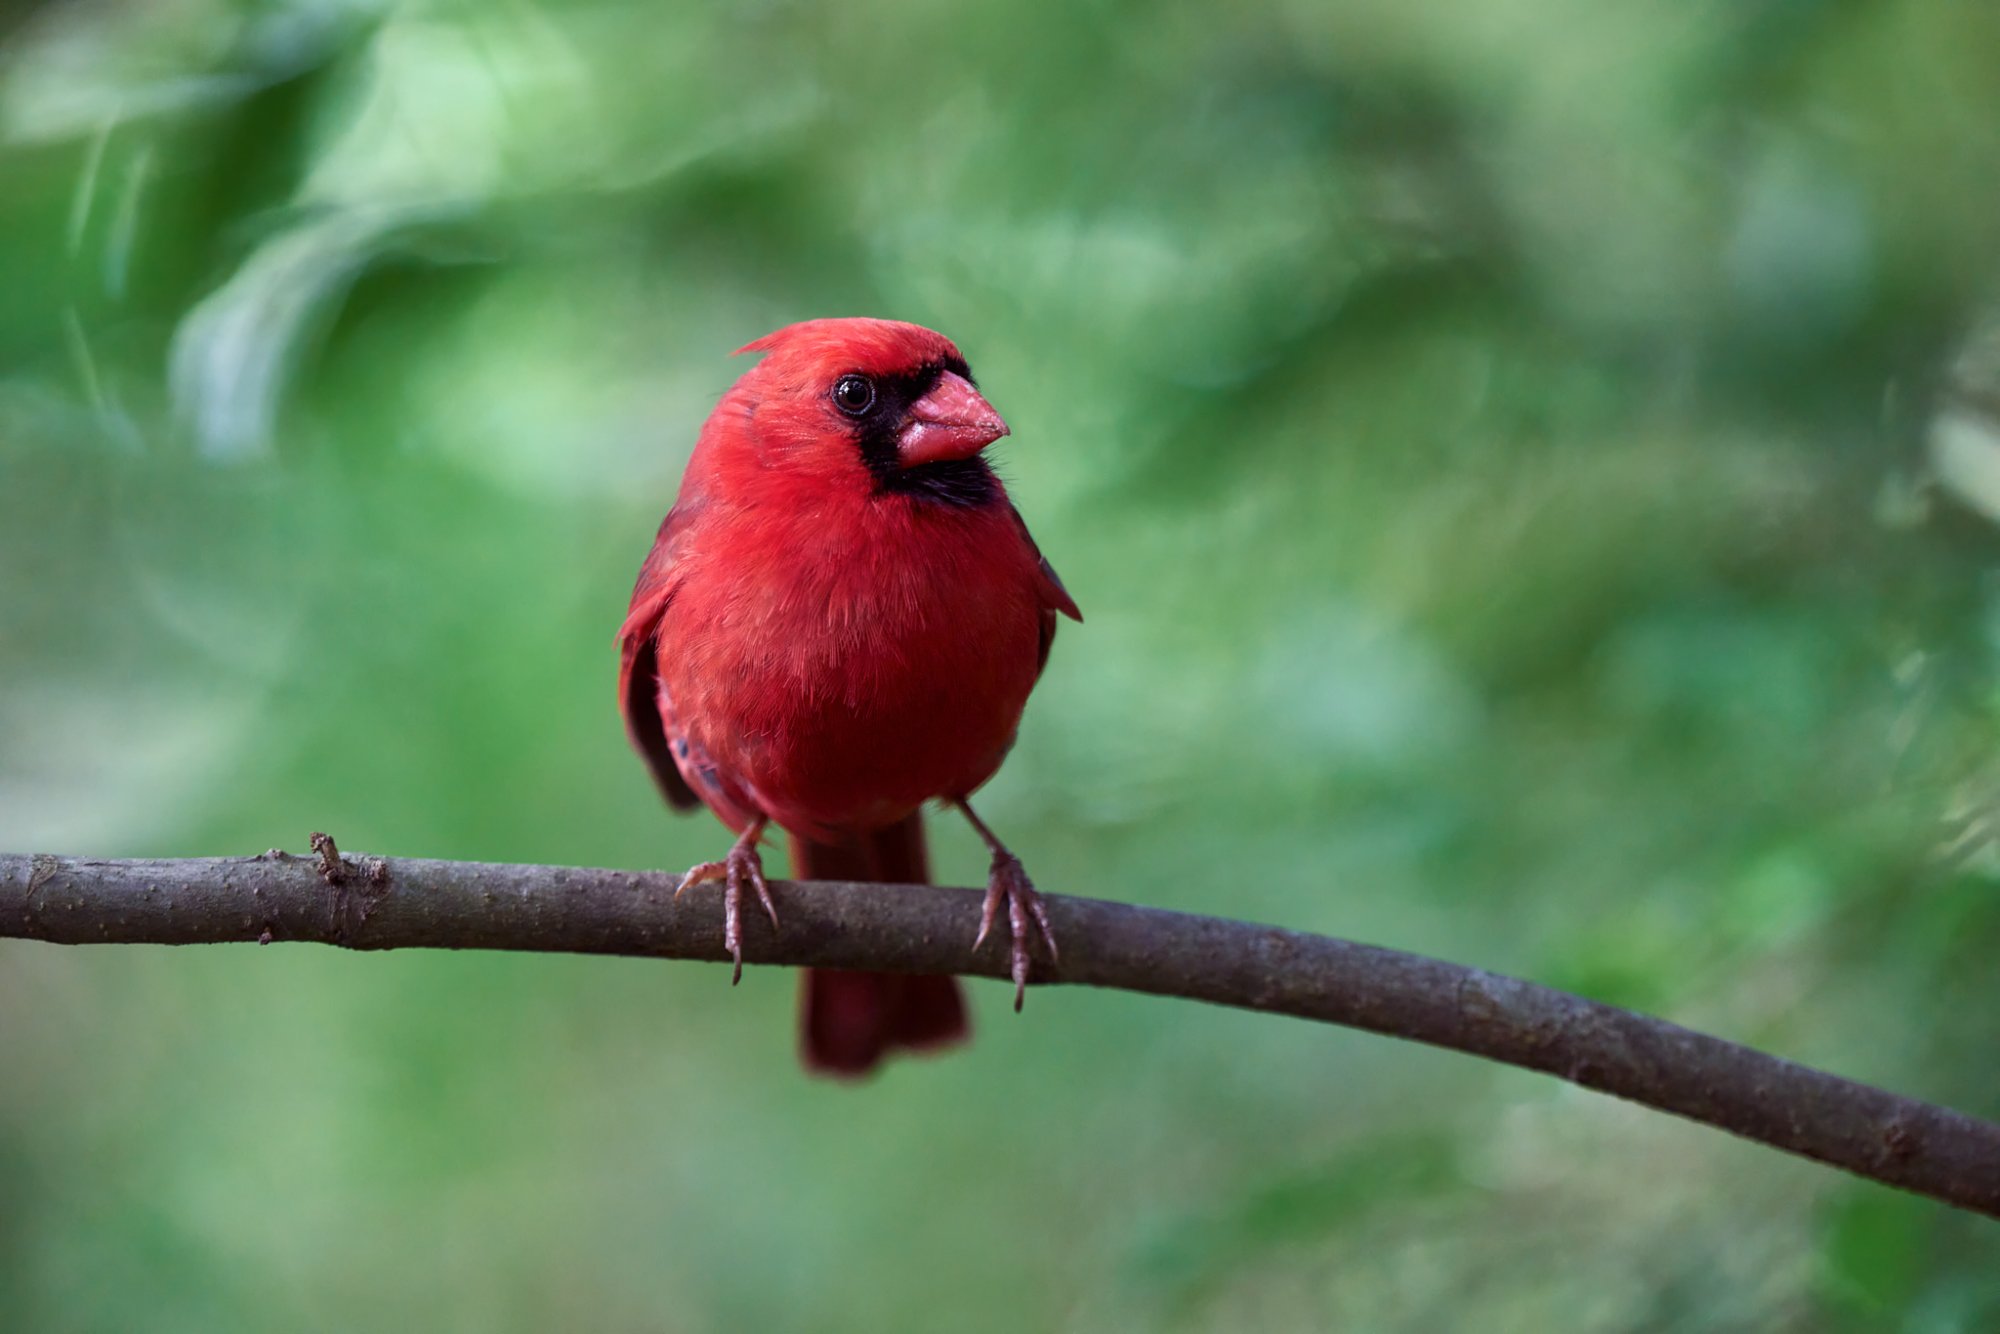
840,620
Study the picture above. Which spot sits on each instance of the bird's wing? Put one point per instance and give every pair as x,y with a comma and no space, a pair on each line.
639,672
1055,598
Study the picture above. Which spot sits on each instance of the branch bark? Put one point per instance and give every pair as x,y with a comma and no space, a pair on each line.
371,903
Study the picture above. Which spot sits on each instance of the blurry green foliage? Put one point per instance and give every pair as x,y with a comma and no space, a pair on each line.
1528,467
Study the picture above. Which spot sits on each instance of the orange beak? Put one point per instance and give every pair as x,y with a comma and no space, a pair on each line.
952,421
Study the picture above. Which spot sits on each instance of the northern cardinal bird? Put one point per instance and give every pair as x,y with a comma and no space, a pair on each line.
841,619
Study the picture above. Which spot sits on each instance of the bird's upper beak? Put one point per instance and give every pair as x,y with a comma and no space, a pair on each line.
952,421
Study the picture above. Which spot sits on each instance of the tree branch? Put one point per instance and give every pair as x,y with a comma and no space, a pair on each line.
372,903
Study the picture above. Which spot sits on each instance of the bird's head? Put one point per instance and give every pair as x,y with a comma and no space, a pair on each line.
895,399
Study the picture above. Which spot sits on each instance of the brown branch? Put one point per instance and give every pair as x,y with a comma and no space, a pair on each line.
375,903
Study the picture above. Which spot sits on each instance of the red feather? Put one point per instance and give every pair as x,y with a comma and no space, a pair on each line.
848,1021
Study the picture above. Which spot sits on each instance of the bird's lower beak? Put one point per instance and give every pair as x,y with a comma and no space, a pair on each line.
952,421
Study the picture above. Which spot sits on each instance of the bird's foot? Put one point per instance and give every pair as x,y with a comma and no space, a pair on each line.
1008,883
742,864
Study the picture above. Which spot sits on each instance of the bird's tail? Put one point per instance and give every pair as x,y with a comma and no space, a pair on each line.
849,1021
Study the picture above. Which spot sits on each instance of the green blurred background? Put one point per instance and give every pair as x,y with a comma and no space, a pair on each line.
1525,465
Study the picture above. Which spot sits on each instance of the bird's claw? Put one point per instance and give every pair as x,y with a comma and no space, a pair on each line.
742,864
700,875
1009,883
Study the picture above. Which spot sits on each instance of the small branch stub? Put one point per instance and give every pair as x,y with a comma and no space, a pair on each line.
350,904
331,868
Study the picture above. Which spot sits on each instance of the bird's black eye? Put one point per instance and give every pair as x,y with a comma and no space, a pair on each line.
854,394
